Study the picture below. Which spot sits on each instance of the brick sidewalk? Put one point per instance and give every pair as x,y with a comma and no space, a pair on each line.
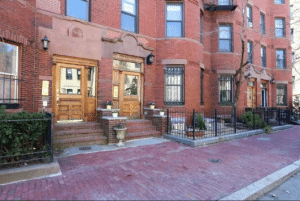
164,171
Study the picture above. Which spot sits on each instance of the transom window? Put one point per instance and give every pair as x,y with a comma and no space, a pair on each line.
174,21
280,59
279,27
174,86
262,24
263,53
225,38
129,16
250,51
281,94
78,9
249,16
224,2
8,73
226,88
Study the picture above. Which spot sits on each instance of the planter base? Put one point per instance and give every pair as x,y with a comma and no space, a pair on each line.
197,133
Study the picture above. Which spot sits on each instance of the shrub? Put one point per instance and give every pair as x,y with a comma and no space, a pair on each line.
200,122
21,137
251,119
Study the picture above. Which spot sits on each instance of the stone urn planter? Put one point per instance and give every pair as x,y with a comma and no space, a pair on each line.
120,132
198,132
152,105
108,105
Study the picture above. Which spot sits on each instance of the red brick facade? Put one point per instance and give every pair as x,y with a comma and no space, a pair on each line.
102,36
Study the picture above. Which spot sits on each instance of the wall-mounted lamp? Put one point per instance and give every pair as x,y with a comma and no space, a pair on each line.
45,42
248,76
272,81
150,59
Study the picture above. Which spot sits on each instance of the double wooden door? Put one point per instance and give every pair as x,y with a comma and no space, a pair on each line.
74,92
127,93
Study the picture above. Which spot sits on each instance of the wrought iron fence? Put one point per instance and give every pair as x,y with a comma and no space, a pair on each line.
187,123
30,140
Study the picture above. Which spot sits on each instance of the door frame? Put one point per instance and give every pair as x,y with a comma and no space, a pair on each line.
59,60
134,59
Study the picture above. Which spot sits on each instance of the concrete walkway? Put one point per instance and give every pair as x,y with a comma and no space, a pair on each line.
166,170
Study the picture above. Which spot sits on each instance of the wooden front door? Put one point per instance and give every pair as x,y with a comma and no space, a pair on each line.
74,96
251,95
128,87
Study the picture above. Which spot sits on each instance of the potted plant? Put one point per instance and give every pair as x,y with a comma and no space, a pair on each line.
152,105
200,127
115,113
120,131
162,112
108,104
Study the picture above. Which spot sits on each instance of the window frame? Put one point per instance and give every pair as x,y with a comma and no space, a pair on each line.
182,85
231,38
231,81
284,59
284,87
182,20
88,17
136,17
282,28
262,23
263,52
281,2
249,18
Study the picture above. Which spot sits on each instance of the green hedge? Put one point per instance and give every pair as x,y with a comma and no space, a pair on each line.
22,137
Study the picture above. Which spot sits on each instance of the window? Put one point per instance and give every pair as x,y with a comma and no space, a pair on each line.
129,16
225,38
291,11
293,59
262,24
8,73
292,35
280,59
174,86
201,29
78,9
201,87
279,1
263,53
224,2
226,88
250,52
69,74
293,80
78,74
281,94
174,21
279,27
249,16
69,91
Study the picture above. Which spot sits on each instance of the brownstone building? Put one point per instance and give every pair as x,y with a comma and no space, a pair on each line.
99,52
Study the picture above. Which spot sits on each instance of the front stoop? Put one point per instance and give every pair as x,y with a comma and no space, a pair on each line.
78,134
140,128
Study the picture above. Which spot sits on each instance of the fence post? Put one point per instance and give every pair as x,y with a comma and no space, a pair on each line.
234,113
216,124
51,133
194,124
268,116
253,126
278,116
168,121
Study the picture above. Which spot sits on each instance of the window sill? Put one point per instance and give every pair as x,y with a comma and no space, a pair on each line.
225,104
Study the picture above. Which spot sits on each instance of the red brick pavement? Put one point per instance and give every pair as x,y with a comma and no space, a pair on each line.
164,171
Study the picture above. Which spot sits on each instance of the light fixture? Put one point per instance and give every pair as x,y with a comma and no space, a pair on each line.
272,81
46,42
248,76
150,59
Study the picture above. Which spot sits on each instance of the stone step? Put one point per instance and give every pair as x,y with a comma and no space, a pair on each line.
140,128
77,135
145,134
81,141
76,126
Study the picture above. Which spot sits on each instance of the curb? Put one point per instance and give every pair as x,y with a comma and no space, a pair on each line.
266,184
222,138
14,175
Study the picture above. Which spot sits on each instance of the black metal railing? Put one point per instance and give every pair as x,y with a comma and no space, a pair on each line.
33,145
185,123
